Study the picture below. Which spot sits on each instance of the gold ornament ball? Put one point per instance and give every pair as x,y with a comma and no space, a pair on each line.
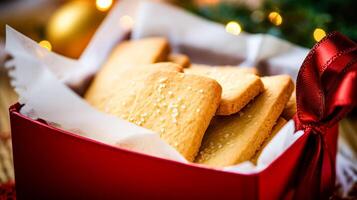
71,27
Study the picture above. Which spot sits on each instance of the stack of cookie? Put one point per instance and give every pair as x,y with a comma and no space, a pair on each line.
213,115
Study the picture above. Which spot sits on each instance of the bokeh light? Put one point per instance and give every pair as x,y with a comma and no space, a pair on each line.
318,34
103,5
233,27
45,44
275,18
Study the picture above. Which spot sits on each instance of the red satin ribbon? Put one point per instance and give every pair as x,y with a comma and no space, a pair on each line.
326,90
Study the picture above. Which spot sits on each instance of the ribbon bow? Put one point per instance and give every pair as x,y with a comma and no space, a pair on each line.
326,90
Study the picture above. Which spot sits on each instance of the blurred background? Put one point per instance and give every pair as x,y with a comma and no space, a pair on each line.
62,24
66,26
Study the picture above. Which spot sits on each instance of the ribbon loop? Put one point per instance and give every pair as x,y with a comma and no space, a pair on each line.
327,81
326,90
315,129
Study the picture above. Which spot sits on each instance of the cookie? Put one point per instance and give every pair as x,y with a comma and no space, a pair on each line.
278,125
180,59
239,86
105,83
233,139
138,52
134,53
127,55
104,90
290,108
178,106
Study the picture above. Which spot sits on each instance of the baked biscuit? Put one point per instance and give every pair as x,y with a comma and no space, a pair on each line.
238,86
139,52
180,59
290,108
104,85
278,125
127,55
178,106
233,139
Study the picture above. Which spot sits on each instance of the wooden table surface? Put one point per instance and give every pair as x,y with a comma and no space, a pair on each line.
7,98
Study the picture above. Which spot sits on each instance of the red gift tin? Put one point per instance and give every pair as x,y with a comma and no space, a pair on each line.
54,164
51,163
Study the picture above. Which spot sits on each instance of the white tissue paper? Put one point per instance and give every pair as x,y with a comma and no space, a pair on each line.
41,78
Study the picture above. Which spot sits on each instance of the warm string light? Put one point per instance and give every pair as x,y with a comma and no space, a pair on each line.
318,34
275,18
233,27
46,44
103,5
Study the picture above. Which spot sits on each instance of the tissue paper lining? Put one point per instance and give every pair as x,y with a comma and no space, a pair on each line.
39,76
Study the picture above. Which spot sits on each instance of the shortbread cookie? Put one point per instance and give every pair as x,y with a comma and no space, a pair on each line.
290,108
233,139
278,125
104,84
180,59
138,52
238,86
134,53
128,54
178,106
